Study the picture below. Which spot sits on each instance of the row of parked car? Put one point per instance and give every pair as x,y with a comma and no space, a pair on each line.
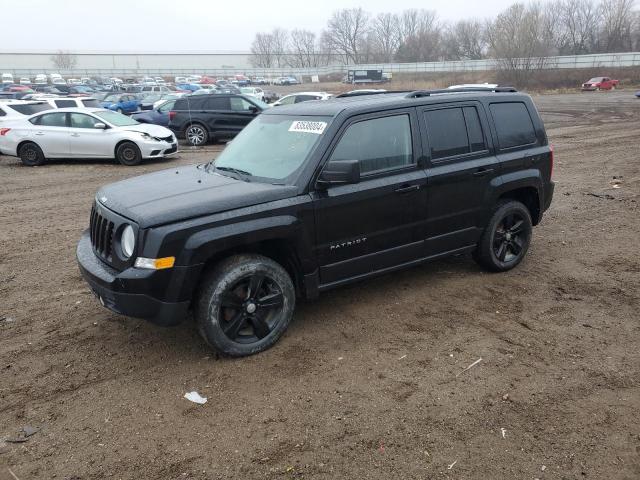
87,127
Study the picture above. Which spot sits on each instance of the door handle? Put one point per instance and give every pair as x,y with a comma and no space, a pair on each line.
482,172
75,134
39,134
407,188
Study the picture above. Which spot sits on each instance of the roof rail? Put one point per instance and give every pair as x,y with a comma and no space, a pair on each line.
359,94
427,93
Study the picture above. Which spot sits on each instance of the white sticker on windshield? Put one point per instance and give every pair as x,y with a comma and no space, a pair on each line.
308,127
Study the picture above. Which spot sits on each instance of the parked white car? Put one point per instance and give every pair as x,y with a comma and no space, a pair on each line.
41,79
18,109
302,97
25,81
254,92
68,102
85,133
156,89
7,78
179,80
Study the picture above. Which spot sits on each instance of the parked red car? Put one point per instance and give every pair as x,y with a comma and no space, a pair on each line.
600,83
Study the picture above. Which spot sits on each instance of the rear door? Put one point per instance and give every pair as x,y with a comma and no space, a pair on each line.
377,223
461,167
215,113
51,133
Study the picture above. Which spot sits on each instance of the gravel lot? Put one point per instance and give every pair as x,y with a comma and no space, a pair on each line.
369,381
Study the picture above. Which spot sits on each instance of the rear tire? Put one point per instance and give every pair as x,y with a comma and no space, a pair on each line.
506,239
196,135
128,154
31,155
244,305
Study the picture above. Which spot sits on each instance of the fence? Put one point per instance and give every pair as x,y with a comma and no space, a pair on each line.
604,60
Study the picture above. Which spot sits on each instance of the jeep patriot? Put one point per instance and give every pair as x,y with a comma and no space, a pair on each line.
315,195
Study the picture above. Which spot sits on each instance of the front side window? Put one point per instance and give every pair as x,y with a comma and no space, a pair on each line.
80,120
288,100
167,106
240,104
513,124
379,144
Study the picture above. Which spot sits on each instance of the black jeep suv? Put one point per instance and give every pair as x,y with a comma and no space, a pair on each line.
204,118
315,195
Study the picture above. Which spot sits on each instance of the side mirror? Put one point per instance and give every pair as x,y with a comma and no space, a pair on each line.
337,172
253,109
99,126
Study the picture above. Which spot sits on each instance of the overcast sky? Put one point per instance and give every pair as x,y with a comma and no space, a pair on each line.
187,25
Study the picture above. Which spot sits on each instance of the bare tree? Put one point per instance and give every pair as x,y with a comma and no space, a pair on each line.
346,33
465,40
421,36
385,36
280,39
617,25
269,50
577,22
518,42
262,51
304,49
64,60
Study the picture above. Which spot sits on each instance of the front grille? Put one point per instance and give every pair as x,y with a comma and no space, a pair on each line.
171,150
101,229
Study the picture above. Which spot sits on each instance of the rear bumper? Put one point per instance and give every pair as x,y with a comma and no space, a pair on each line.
135,292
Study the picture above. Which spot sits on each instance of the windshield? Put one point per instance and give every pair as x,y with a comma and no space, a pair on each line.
111,98
272,146
115,118
595,80
246,90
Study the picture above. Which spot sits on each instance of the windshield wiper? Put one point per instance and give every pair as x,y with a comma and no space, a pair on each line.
240,173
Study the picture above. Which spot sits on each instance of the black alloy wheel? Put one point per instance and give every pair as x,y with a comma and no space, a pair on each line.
244,304
509,238
506,238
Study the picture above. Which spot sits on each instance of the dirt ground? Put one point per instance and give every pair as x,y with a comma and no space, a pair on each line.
370,380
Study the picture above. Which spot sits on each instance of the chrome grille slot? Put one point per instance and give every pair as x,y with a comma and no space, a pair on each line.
101,231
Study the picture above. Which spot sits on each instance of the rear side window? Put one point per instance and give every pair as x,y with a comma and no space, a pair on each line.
447,132
30,109
65,103
513,124
379,144
51,120
2,113
305,98
218,103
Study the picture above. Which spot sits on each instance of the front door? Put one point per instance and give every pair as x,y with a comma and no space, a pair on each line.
377,223
86,141
242,112
461,168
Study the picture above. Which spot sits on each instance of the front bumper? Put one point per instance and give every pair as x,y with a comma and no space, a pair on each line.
160,296
158,148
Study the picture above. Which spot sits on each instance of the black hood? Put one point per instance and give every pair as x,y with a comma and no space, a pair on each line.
185,192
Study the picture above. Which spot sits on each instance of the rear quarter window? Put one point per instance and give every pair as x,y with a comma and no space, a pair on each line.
513,124
65,103
30,109
91,103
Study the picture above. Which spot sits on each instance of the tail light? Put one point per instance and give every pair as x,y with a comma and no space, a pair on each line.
172,114
551,160
4,131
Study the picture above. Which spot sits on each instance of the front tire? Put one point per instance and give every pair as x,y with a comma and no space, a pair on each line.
31,155
244,305
128,154
196,135
506,239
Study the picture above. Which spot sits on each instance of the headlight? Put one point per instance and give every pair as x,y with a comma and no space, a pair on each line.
128,241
